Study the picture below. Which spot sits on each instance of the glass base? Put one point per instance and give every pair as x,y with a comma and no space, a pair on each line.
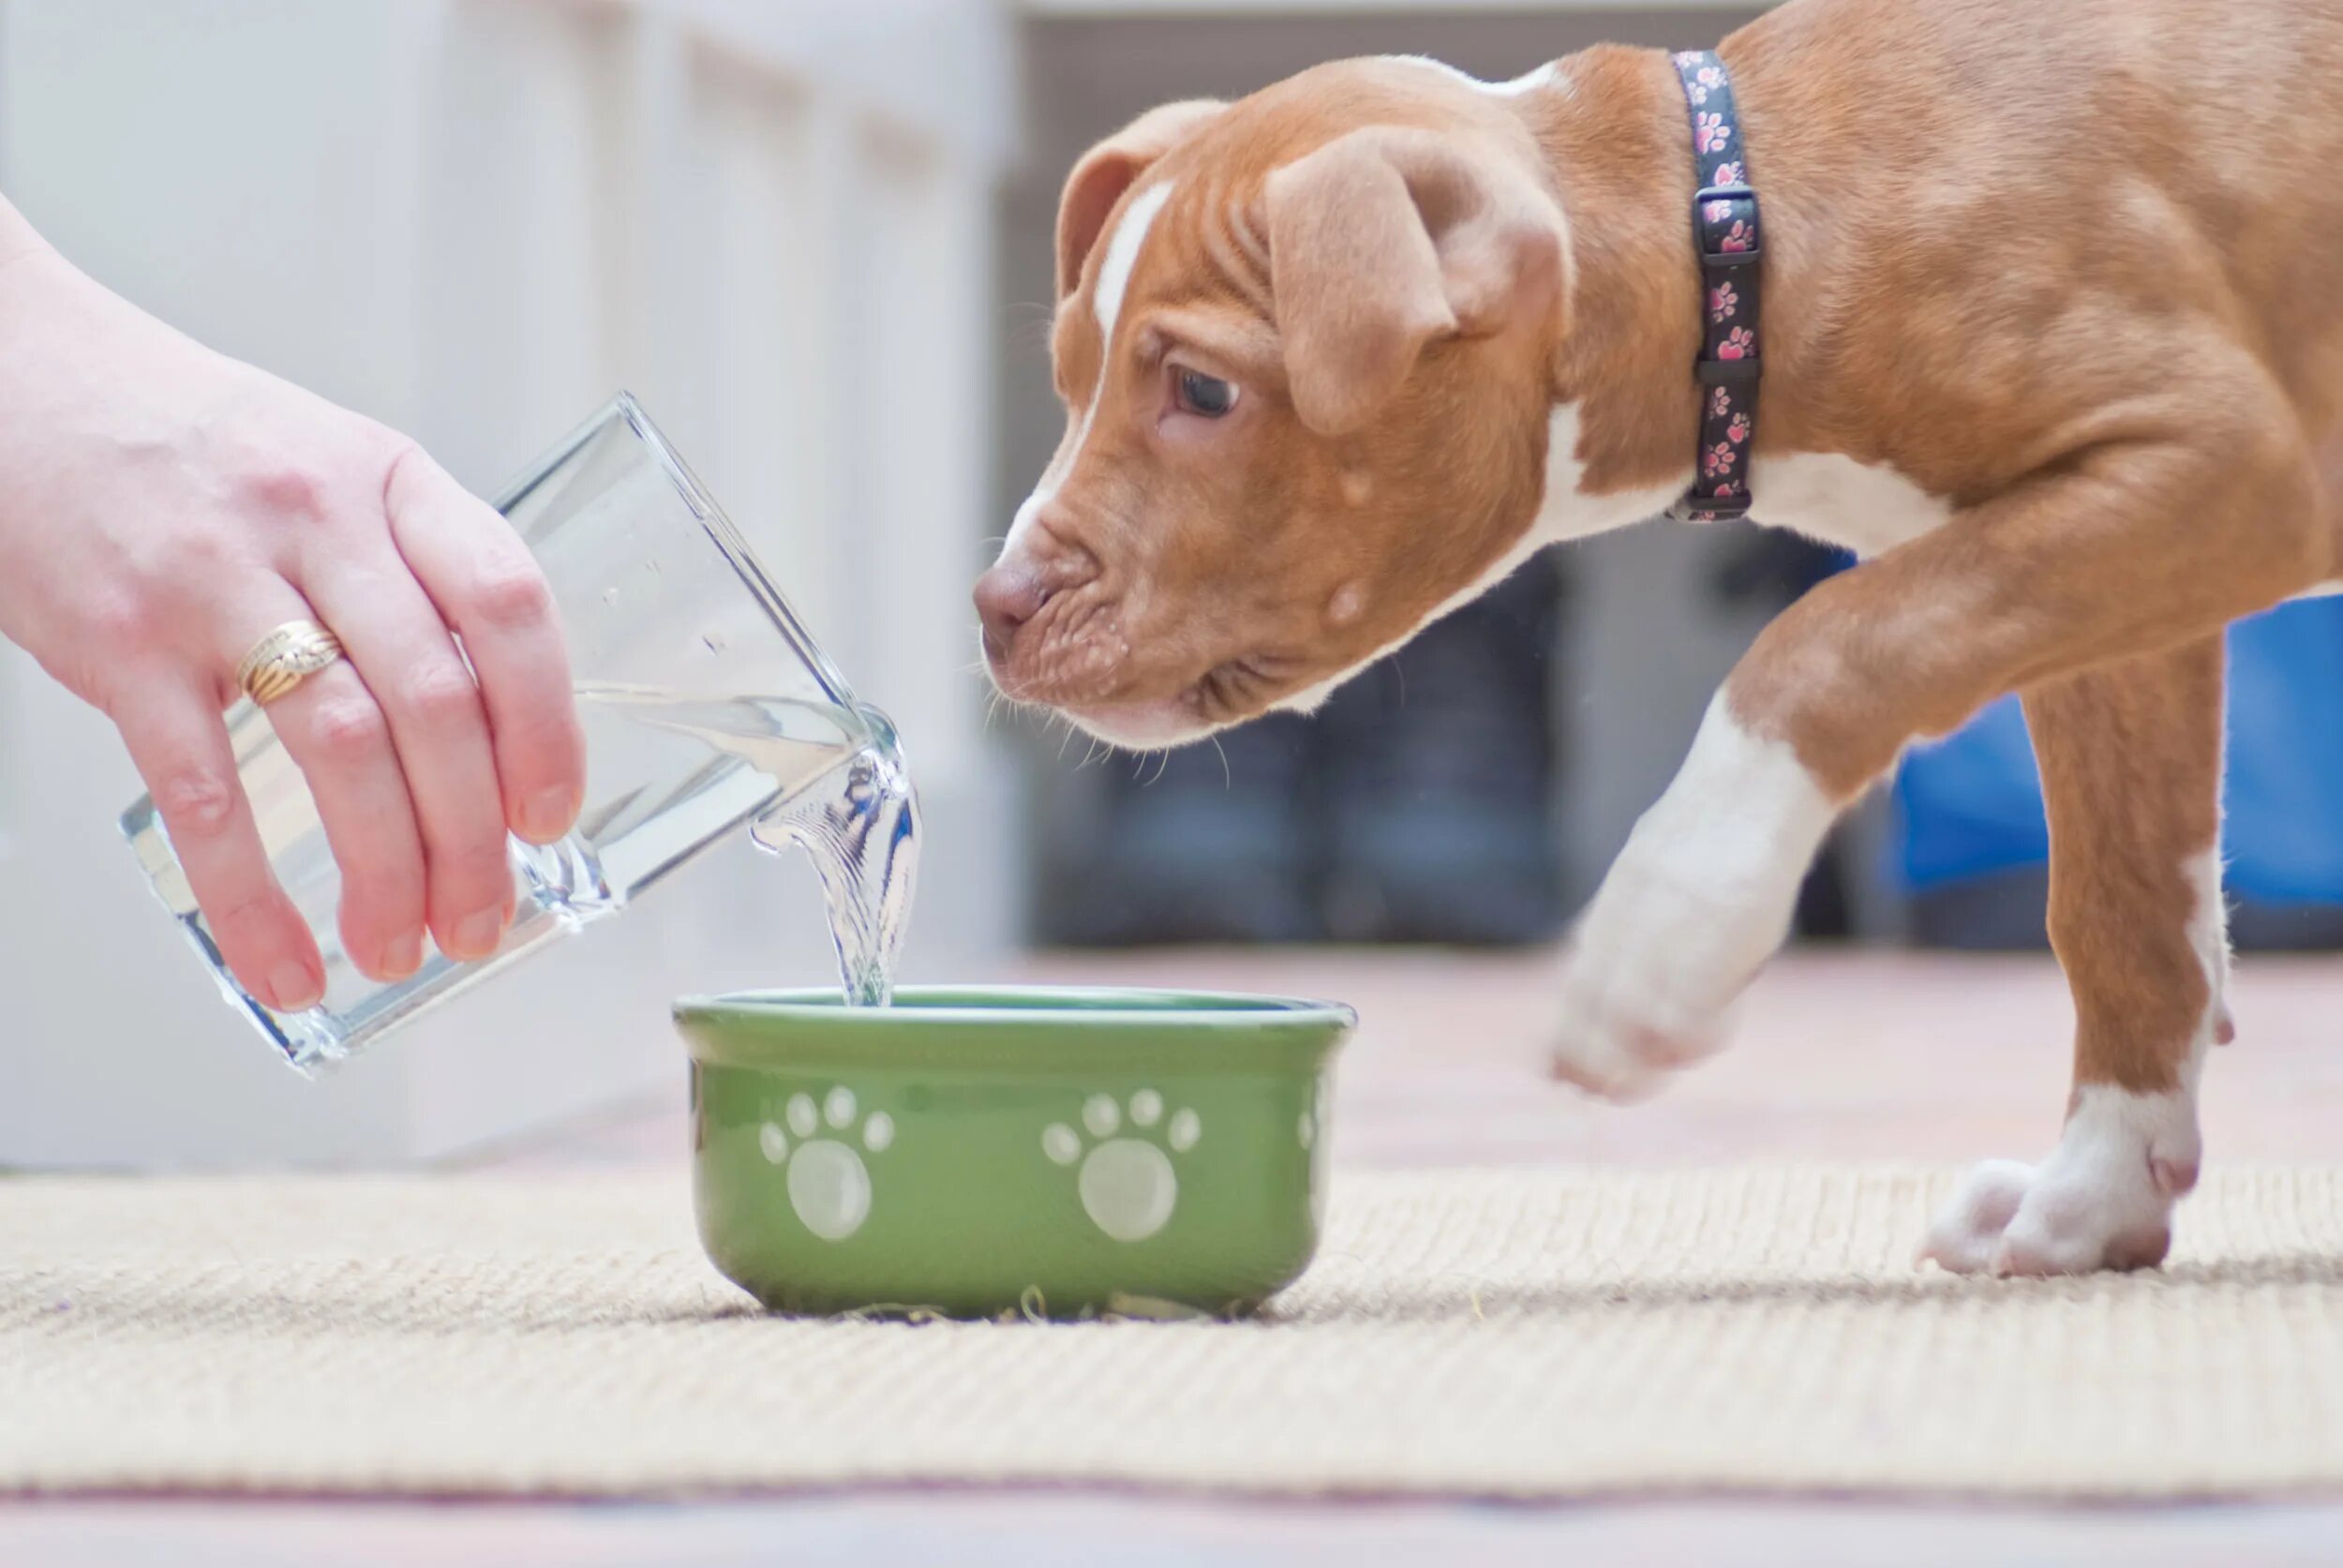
560,889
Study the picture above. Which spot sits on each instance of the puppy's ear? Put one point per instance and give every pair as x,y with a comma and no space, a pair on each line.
1108,170
1386,239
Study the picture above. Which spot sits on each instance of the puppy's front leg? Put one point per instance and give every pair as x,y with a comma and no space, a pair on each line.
2129,546
2131,776
1695,903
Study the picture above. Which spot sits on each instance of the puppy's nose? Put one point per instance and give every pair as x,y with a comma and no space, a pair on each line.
1007,596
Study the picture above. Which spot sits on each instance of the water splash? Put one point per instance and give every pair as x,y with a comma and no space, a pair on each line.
860,824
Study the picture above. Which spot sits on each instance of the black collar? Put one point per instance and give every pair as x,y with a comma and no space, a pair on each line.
1724,231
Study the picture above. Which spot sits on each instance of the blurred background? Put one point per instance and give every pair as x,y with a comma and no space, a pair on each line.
815,239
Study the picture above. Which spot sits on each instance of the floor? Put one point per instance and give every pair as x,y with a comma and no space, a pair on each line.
1857,1056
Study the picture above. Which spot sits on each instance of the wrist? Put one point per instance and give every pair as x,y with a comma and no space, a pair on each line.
36,326
18,238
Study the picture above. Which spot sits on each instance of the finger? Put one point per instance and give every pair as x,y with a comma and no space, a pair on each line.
333,729
180,746
440,731
489,591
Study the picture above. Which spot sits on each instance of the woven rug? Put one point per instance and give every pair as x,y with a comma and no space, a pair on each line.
1519,1335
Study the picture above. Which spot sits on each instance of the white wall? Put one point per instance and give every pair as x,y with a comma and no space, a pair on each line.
474,219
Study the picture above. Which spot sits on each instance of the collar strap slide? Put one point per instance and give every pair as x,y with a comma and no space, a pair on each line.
1725,232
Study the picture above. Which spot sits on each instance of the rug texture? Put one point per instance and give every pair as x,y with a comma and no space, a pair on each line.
1519,1335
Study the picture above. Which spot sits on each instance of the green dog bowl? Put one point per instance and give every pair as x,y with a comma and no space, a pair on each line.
985,1151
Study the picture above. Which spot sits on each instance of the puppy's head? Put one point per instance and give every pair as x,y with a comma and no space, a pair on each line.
1303,342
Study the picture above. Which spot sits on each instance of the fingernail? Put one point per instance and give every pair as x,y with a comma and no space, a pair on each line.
476,934
404,956
547,813
295,988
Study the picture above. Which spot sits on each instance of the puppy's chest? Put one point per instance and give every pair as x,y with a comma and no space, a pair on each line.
1867,508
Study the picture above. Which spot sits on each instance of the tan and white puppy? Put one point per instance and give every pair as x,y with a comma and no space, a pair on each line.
2053,339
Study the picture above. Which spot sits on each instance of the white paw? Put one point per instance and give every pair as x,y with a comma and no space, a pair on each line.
2103,1201
1126,1178
829,1186
1699,899
1649,983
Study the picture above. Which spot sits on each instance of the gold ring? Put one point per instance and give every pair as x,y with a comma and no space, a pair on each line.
286,658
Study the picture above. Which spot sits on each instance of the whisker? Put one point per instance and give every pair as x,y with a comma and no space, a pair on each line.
1034,330
1228,774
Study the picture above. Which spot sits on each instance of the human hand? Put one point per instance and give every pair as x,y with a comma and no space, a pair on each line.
162,508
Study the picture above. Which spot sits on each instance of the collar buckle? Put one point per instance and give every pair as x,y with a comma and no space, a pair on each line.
1710,233
1711,509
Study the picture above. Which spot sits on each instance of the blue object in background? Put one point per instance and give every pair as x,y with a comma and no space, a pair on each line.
1971,805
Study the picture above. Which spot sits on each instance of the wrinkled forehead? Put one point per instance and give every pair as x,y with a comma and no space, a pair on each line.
1087,319
1183,260
1191,236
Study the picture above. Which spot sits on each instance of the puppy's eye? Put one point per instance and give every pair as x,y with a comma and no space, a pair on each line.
1208,396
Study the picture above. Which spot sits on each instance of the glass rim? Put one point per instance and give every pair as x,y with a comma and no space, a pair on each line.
719,527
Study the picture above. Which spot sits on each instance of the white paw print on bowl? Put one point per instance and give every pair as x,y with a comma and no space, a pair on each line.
1127,1184
829,1186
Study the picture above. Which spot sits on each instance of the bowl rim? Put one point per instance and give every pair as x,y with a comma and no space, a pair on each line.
1247,1034
1152,1006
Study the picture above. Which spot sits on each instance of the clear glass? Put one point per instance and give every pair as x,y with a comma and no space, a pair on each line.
706,706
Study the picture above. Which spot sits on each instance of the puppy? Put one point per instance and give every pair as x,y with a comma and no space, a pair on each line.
2052,340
